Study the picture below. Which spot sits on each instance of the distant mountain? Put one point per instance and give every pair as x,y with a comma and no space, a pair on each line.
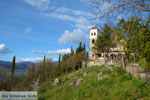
18,66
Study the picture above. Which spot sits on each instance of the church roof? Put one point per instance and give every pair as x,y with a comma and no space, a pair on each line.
94,28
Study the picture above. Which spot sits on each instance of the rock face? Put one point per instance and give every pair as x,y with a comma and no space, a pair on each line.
56,81
85,74
142,76
100,73
71,84
140,70
103,77
129,69
109,68
35,85
79,81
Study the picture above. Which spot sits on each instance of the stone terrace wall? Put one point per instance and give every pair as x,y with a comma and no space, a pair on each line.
133,69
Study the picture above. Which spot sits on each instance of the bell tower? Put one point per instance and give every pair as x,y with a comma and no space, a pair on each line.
94,31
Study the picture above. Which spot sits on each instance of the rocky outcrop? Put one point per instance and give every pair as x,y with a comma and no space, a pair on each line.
79,81
71,84
56,81
35,85
100,75
109,68
84,74
103,77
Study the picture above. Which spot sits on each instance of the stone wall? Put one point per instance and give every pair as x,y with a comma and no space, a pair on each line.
99,62
90,63
134,69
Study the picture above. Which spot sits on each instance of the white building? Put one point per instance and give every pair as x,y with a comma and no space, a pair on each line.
94,31
94,54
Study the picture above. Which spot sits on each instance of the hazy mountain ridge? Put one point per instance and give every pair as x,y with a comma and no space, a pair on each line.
18,66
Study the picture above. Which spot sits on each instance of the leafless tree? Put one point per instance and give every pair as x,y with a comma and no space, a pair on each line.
108,10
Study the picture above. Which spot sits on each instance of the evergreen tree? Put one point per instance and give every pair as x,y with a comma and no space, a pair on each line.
87,55
59,62
44,68
58,69
79,49
13,68
64,57
33,71
135,38
104,40
72,51
84,49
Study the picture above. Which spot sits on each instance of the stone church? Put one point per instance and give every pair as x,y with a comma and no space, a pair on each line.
94,54
97,57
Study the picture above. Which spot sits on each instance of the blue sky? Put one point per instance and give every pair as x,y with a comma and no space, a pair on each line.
30,29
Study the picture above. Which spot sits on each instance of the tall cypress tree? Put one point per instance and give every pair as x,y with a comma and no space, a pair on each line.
13,68
59,61
84,49
79,49
87,55
72,51
33,71
58,67
44,68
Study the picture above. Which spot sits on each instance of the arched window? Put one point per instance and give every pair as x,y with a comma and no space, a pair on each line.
93,41
94,34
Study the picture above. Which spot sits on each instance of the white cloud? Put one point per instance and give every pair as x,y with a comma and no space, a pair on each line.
81,25
29,59
55,52
2,46
80,21
38,59
75,36
27,30
4,50
61,16
64,10
40,4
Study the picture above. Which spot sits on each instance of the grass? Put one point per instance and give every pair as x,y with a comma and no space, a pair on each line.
119,86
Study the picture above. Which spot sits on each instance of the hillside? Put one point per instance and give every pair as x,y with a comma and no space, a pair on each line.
96,83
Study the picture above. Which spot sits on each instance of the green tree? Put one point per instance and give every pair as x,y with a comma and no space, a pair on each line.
87,55
13,68
104,40
79,49
57,70
64,57
59,61
41,71
84,49
33,71
134,37
72,51
44,68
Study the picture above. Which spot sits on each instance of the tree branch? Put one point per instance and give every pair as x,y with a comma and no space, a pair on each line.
147,10
122,5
